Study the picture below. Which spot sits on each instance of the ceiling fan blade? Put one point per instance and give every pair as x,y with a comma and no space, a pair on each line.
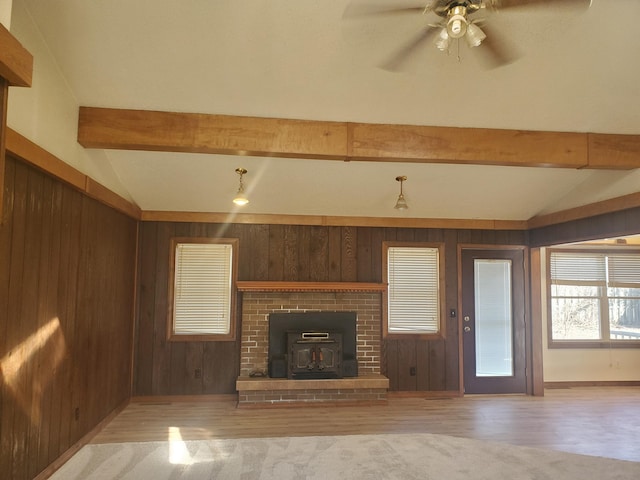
576,4
494,51
361,9
402,56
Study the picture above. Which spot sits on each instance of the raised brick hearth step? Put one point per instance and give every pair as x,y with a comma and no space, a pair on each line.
278,391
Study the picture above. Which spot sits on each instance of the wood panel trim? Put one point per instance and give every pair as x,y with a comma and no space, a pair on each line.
537,367
257,286
589,383
101,193
135,311
29,152
331,221
16,63
591,210
4,96
311,139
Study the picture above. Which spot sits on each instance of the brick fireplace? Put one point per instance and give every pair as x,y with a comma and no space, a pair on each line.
261,299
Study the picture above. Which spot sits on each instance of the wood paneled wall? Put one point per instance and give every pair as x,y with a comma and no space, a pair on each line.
290,253
67,283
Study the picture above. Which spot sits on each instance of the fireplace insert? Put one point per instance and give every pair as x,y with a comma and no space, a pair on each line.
314,355
309,345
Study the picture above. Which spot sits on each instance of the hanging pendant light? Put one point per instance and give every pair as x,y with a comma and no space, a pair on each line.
401,203
240,198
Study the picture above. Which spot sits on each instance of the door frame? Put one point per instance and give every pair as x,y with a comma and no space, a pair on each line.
532,332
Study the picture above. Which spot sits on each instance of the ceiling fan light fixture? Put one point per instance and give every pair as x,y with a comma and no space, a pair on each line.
443,40
240,199
474,35
457,23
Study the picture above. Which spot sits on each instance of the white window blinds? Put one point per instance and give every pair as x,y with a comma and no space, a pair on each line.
624,270
202,291
592,268
571,268
412,298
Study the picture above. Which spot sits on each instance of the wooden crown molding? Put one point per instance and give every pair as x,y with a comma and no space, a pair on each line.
331,221
308,139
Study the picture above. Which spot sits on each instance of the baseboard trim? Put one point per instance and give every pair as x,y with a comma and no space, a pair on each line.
596,383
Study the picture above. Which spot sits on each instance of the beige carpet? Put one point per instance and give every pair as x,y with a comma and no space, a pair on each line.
405,457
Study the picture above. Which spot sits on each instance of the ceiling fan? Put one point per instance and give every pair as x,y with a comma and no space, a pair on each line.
454,20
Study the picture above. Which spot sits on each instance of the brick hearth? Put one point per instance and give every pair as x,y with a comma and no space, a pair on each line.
369,386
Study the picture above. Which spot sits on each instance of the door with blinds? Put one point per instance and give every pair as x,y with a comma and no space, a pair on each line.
493,320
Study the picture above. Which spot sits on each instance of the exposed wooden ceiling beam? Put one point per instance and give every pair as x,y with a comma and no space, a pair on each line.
16,63
468,145
614,151
201,133
309,139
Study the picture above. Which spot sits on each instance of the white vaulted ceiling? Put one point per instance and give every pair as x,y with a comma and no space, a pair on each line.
299,59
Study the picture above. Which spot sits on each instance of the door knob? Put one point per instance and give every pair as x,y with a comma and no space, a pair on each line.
467,328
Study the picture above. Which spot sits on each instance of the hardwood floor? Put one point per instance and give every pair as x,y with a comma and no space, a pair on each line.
600,421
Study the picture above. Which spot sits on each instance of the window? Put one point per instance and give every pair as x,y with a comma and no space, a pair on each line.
412,272
201,289
594,297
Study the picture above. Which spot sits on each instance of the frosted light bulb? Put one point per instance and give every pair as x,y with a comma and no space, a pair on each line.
456,27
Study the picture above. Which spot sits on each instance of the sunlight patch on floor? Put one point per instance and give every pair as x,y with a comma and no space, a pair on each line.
178,452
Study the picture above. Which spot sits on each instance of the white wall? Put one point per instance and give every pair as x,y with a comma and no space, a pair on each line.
47,113
5,13
588,364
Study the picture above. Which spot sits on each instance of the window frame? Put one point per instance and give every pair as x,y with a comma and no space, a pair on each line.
217,337
603,298
441,332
